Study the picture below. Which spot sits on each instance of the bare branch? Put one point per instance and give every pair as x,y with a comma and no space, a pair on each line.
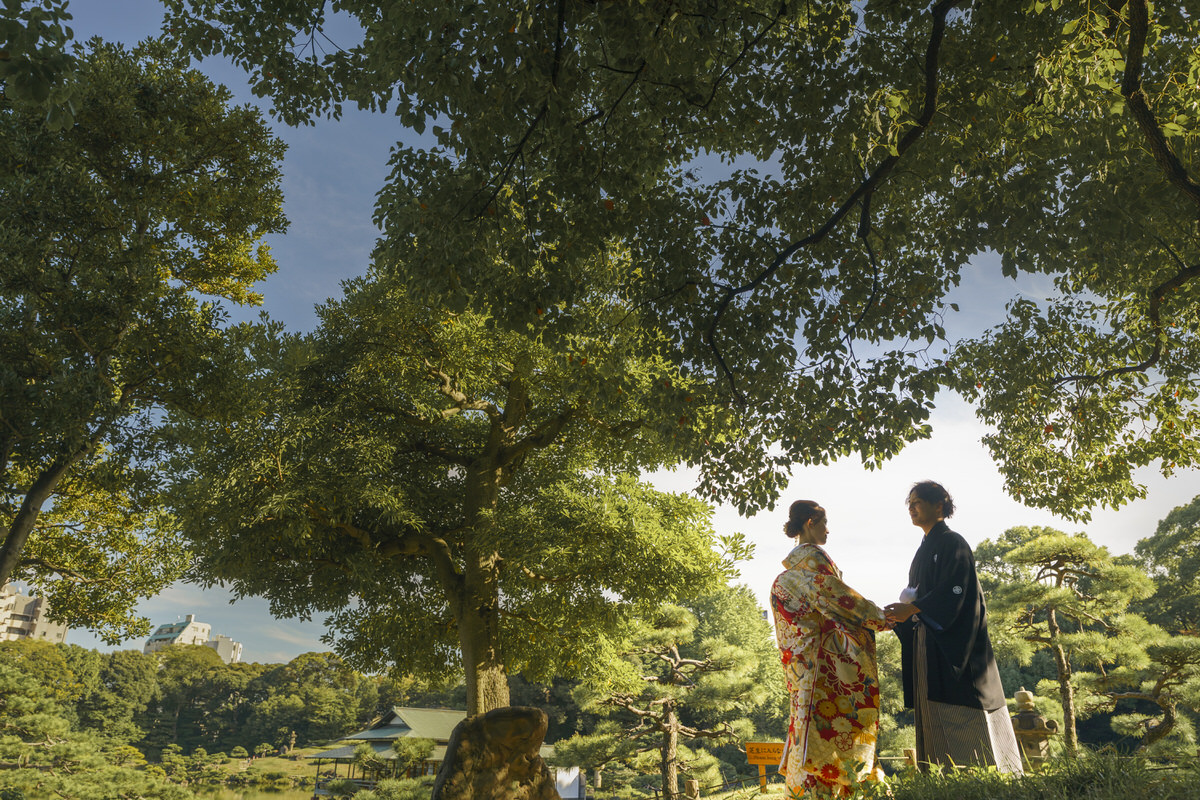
461,401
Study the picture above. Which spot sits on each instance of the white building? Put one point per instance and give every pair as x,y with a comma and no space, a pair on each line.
191,632
229,650
23,616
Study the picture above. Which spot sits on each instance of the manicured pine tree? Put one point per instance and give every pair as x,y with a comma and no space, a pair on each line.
1062,592
682,679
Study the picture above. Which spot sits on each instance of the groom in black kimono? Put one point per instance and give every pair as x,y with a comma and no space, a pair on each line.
950,676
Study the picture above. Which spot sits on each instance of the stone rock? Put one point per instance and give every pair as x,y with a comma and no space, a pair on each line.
494,756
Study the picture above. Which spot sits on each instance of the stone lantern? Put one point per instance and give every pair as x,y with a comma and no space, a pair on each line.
1033,730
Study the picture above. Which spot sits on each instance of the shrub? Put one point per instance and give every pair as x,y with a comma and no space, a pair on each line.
399,789
341,787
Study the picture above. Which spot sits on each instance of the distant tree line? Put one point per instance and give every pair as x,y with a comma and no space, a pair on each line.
184,696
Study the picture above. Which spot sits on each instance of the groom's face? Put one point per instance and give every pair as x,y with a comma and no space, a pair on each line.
922,512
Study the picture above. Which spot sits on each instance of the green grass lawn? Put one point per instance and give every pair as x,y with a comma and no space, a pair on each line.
1090,777
293,764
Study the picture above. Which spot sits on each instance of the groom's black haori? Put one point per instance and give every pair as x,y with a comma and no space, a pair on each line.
950,676
960,665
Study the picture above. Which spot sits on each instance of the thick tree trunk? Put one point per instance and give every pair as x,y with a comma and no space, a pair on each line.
670,753
479,612
26,517
479,636
1065,691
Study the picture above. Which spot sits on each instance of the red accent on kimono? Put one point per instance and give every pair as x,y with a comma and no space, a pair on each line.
825,632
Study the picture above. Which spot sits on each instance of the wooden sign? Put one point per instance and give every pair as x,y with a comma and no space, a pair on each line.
764,754
767,754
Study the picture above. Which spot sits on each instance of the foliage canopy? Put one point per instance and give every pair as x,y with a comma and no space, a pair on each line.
454,494
799,187
118,236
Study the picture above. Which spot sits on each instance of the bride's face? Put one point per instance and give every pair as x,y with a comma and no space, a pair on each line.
816,530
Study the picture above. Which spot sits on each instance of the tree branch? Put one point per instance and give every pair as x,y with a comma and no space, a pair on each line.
1131,88
539,578
448,454
545,434
1173,170
460,400
861,193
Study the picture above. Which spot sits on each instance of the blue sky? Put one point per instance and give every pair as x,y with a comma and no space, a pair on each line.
332,171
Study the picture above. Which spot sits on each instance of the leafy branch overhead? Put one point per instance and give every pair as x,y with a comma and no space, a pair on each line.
786,196
37,61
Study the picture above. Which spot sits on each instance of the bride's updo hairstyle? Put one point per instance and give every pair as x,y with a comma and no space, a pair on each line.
800,512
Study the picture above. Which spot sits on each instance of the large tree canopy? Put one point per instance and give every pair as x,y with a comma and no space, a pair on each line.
118,236
454,494
798,186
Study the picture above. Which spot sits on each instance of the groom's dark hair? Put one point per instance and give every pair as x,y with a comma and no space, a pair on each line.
935,494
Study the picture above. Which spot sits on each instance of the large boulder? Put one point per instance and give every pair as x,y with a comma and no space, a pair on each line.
494,756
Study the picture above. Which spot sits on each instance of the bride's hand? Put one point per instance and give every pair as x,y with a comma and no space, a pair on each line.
899,612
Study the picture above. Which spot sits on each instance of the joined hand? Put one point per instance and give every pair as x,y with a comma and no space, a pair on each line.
899,612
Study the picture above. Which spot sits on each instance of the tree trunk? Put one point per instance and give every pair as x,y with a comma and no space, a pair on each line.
479,611
670,753
1155,732
1066,692
479,635
27,515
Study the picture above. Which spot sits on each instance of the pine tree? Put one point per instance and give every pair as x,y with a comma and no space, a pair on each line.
1062,592
683,678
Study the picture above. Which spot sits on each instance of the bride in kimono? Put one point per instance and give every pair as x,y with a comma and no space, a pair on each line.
826,635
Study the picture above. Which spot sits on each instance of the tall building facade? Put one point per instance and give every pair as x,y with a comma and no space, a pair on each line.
192,632
23,616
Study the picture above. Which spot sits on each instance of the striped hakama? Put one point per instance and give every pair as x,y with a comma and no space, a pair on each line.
952,735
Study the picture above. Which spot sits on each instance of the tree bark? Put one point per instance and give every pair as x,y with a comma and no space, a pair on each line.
479,636
26,517
670,753
479,612
1066,692
1164,726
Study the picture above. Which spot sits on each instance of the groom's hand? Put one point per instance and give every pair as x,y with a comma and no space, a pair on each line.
900,612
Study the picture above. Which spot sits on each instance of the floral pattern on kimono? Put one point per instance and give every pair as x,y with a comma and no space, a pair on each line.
826,636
